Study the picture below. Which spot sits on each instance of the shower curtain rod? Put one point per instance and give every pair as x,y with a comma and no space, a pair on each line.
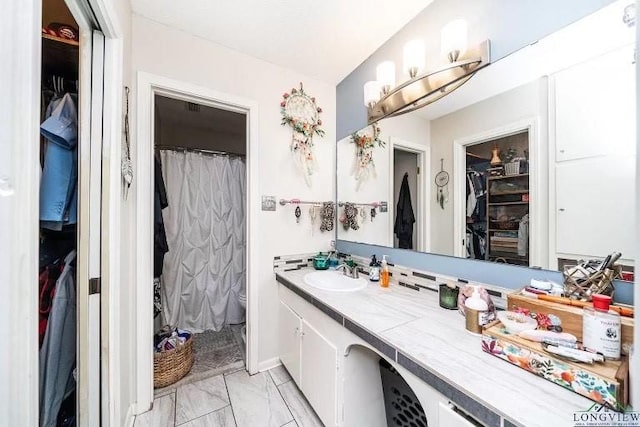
198,150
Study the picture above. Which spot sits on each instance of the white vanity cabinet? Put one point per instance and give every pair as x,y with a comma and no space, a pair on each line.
312,362
290,325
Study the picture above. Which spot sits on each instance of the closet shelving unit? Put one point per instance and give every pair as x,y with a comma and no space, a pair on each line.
59,56
507,196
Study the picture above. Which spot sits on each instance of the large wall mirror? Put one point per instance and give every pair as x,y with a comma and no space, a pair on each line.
531,163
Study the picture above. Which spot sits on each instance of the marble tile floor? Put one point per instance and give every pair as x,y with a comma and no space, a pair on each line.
216,353
233,399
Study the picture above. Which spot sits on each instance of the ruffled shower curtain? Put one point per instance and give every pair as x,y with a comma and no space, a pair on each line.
204,270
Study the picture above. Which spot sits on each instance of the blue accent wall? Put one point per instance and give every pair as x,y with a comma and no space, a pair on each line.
508,276
509,24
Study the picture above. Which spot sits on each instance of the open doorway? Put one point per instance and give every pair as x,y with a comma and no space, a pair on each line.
411,159
405,189
200,238
191,97
497,199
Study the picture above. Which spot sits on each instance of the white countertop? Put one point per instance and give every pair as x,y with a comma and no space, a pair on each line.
436,339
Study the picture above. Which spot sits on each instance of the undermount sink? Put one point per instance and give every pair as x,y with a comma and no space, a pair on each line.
334,281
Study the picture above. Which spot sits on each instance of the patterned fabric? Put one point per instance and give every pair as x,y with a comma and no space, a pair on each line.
327,214
157,299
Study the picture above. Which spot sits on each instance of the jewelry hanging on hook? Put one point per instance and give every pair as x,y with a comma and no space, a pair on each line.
312,215
298,213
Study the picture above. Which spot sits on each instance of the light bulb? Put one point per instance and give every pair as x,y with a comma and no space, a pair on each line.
371,93
413,57
453,41
386,75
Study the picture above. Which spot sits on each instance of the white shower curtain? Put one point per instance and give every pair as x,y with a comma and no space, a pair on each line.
204,270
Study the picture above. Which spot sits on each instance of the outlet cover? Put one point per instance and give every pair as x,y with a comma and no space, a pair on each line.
269,203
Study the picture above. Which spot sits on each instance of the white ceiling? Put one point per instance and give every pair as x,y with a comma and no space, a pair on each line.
323,39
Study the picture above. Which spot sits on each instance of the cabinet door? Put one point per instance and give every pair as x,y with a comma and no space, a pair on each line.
289,340
319,373
596,119
448,417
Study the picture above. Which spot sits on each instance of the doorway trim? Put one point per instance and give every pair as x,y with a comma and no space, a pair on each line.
536,185
423,190
149,85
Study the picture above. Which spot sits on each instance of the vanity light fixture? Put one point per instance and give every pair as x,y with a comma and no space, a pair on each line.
424,88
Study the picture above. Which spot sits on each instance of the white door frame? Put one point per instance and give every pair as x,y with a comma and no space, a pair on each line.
149,85
19,203
19,211
423,189
536,183
107,19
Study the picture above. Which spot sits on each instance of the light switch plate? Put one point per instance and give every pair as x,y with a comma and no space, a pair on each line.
268,203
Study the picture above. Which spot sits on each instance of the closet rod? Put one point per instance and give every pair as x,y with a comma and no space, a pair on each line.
198,150
299,202
373,204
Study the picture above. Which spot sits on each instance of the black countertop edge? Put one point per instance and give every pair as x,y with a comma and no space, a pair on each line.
468,404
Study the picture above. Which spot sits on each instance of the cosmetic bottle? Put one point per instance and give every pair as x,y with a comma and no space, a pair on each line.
384,273
374,269
601,328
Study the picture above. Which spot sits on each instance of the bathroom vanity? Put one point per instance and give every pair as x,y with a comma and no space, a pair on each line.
331,344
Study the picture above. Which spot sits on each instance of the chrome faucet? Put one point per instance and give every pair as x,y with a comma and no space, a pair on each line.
349,271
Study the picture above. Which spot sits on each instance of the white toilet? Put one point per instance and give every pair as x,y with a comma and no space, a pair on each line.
242,299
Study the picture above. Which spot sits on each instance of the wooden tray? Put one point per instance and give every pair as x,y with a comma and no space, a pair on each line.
606,383
570,316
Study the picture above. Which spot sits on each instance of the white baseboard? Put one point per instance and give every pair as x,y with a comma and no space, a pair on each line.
130,418
265,365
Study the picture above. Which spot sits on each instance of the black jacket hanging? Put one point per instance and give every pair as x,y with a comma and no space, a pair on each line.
160,245
404,217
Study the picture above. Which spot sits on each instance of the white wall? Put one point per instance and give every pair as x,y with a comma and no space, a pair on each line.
123,306
521,103
410,128
167,52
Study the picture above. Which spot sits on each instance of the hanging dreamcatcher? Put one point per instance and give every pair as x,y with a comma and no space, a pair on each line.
300,111
365,142
442,182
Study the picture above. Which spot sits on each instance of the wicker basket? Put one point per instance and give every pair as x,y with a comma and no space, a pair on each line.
512,168
170,366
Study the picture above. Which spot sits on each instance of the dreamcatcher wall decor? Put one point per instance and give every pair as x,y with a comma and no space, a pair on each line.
300,111
442,182
365,142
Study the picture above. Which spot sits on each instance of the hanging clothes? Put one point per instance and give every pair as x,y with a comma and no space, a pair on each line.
476,195
205,270
405,219
48,279
58,352
523,236
58,183
160,247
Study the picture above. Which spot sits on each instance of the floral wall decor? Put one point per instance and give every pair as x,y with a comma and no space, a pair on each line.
365,141
300,111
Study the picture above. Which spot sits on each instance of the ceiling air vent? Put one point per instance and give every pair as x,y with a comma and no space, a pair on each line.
194,108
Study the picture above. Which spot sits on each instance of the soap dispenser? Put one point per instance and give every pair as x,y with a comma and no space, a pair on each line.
476,312
384,273
374,269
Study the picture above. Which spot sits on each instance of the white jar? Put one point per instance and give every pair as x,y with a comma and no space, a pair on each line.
601,328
